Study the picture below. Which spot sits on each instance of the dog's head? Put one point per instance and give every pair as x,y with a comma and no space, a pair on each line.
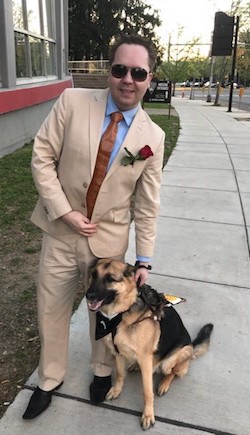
112,287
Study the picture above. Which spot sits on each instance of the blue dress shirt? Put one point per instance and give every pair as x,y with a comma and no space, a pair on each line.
123,126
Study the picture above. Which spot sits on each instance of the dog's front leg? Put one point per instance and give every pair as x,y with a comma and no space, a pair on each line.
119,378
146,366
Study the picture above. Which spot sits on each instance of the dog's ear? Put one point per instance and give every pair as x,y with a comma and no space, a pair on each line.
129,270
93,264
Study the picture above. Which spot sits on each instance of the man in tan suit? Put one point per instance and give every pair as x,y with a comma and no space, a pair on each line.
63,163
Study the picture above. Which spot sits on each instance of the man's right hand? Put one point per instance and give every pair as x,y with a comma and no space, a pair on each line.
79,223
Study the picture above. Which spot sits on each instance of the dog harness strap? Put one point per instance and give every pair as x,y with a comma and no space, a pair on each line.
152,317
113,339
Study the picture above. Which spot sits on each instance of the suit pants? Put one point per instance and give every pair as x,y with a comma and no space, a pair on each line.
61,265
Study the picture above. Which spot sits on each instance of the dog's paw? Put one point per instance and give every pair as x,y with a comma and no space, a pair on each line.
113,393
163,388
147,421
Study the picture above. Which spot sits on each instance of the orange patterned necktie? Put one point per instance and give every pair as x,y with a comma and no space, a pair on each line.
102,160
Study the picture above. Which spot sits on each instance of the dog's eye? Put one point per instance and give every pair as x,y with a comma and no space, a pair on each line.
109,278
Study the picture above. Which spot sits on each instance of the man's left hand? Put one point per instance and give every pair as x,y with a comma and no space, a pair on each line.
142,275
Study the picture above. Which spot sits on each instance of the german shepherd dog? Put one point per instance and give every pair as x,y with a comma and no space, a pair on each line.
141,328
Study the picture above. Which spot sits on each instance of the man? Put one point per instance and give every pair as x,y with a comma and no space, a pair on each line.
82,221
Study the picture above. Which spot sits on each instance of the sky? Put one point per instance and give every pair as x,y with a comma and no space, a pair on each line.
196,17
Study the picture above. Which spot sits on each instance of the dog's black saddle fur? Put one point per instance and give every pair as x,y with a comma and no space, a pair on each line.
173,332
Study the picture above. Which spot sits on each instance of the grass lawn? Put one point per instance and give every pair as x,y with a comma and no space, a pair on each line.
156,106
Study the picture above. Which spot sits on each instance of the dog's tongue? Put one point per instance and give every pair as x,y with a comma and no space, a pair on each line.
95,305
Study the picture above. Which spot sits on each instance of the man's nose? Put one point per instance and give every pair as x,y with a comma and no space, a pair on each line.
128,77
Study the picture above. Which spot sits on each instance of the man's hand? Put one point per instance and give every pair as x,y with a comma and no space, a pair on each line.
141,274
79,223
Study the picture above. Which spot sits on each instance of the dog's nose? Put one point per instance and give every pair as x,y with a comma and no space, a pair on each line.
91,293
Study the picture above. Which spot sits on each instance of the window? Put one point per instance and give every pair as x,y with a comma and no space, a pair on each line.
21,55
35,44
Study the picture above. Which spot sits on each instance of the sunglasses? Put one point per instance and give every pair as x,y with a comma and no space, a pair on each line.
137,74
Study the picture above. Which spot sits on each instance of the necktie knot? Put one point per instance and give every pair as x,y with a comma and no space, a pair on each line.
116,116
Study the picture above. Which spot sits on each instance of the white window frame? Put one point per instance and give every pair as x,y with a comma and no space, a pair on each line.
29,78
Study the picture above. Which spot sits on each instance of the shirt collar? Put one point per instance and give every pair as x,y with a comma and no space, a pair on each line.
128,115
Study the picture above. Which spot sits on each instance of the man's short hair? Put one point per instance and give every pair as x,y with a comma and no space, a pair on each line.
133,40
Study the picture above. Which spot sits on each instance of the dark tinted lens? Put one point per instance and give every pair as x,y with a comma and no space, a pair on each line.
119,71
139,74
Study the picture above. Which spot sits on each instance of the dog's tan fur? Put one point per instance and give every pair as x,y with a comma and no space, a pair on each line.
137,338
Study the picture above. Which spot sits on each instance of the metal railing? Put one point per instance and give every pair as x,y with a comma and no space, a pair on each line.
88,66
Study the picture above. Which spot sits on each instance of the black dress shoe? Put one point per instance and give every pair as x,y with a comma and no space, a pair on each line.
39,401
99,389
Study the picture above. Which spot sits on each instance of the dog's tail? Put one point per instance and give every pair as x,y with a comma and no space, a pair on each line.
201,342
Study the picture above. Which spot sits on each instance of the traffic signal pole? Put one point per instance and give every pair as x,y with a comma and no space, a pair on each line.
209,99
233,65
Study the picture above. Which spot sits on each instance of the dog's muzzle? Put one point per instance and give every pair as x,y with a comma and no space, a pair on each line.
98,297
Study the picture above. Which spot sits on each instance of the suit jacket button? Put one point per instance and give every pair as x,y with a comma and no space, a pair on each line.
83,205
85,184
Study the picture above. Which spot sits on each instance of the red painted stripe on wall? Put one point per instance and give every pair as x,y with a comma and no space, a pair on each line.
19,98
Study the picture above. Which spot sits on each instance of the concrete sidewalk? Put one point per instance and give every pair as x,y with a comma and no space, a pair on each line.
202,254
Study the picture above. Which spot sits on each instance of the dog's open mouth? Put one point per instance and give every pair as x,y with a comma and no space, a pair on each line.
95,305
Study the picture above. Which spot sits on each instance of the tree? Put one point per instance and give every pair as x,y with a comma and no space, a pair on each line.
183,62
80,29
243,58
94,23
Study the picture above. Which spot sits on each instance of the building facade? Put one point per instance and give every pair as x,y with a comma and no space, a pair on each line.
33,66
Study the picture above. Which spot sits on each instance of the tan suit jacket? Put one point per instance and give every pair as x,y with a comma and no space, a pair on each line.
63,162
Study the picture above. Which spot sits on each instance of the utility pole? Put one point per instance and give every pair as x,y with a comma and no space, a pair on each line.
210,80
169,47
233,65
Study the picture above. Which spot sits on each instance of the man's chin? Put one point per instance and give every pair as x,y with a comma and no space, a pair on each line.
126,104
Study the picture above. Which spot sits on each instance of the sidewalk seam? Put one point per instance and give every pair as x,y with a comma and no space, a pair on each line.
137,413
200,280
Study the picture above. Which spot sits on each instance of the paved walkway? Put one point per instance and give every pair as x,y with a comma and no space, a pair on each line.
202,254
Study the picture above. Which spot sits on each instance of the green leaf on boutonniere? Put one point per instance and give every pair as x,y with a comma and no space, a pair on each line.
129,153
128,160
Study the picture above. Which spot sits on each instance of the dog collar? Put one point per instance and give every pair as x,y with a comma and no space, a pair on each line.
107,316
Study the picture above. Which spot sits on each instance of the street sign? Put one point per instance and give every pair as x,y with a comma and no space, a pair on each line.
159,91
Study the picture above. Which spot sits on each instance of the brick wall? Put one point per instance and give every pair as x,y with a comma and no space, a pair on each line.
93,81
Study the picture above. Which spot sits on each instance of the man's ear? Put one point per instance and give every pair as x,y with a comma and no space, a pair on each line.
151,75
129,270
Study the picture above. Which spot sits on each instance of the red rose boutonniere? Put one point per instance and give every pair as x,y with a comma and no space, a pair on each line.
143,154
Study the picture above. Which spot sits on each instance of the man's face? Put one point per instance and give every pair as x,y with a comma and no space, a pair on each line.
126,91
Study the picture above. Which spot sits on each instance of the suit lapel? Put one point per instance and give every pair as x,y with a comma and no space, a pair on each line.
97,109
134,135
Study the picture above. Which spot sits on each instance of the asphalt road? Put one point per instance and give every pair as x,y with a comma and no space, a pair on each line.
242,103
